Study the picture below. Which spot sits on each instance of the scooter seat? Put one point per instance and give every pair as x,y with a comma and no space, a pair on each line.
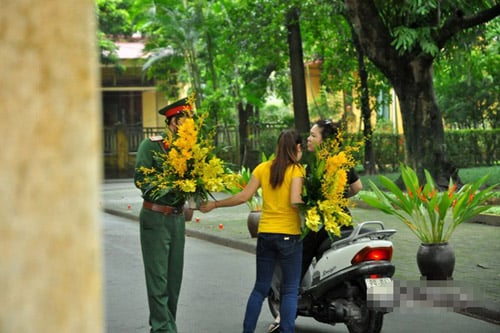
327,243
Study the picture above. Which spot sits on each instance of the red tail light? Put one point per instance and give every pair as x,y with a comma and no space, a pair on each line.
373,253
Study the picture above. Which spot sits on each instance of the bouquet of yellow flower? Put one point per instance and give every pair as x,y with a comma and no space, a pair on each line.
189,168
324,188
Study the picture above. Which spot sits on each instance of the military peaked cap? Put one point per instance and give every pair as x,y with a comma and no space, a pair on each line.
180,106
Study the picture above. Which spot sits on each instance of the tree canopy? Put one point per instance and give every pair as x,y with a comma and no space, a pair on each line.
403,39
235,54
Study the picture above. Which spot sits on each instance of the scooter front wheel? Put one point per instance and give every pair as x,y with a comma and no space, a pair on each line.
371,322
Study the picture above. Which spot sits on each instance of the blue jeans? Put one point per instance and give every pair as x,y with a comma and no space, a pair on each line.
286,250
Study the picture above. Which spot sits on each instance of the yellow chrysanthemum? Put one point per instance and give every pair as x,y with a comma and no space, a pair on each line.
332,227
334,163
186,135
344,218
327,176
178,162
334,186
313,220
147,171
214,184
326,207
186,154
186,185
213,168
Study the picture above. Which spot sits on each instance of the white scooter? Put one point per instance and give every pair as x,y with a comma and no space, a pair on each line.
340,283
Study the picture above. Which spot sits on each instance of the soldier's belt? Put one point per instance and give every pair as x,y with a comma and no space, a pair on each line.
165,210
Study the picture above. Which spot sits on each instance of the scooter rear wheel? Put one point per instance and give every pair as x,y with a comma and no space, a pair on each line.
274,303
371,323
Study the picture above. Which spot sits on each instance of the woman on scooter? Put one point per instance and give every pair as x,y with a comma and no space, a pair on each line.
321,131
278,240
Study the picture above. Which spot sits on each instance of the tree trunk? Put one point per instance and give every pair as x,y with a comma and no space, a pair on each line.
300,111
411,77
244,113
369,158
422,122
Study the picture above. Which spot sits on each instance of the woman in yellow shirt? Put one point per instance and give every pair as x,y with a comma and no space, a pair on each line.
278,240
321,131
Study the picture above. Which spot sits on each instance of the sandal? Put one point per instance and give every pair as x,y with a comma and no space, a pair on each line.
274,327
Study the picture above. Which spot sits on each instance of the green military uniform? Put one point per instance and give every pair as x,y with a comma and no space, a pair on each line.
162,241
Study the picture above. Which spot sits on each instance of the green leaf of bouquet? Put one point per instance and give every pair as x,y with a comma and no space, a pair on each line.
320,169
305,231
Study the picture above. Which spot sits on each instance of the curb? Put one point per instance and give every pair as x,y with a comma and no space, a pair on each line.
250,248
489,219
484,314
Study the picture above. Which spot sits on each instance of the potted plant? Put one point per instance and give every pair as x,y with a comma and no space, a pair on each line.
254,204
432,215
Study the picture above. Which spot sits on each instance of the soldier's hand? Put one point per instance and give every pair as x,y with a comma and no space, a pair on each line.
207,206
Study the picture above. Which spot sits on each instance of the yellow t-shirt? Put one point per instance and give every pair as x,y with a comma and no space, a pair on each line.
278,214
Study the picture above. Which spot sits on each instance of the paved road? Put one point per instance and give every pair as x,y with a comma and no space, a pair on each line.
476,245
216,284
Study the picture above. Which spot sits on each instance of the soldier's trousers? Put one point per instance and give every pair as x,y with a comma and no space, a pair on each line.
162,243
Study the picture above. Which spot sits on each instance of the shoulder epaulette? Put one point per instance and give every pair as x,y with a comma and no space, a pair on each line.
156,138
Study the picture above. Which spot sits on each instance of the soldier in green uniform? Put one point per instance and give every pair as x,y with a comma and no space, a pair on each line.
162,226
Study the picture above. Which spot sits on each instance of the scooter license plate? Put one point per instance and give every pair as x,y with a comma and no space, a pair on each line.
380,282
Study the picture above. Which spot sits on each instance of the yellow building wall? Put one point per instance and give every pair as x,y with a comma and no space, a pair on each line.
313,81
151,103
352,114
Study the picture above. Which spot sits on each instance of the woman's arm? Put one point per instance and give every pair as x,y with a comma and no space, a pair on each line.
234,200
296,190
354,188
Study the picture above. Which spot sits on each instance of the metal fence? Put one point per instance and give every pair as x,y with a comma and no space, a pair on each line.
476,149
262,137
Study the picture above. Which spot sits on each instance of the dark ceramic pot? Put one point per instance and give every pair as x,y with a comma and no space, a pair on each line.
253,222
436,261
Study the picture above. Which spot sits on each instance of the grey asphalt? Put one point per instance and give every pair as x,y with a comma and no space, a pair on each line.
476,245
216,284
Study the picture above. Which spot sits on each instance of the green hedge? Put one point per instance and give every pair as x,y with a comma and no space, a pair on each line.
472,148
466,148
388,150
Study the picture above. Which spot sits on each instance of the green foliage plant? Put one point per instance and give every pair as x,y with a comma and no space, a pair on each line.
432,215
244,175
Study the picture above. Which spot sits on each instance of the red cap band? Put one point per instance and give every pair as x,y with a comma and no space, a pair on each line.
177,109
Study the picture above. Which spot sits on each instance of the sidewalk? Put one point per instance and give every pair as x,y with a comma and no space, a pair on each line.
476,245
